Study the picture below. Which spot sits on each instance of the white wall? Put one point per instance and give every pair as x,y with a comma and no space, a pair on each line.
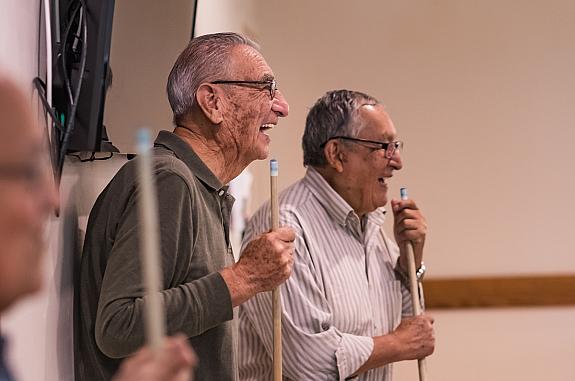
19,39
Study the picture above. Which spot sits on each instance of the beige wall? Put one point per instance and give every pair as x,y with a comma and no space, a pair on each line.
480,92
147,37
527,344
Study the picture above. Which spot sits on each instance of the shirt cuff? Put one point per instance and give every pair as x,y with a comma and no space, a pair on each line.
352,353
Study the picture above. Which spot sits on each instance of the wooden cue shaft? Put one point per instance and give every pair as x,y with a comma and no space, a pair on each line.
413,288
150,244
276,300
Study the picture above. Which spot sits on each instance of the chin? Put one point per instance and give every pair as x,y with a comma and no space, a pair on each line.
379,204
262,153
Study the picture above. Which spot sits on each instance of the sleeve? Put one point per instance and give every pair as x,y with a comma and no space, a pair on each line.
313,348
191,308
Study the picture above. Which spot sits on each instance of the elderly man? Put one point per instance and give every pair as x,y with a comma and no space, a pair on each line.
27,197
343,304
224,100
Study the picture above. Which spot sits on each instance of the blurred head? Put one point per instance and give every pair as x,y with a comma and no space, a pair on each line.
223,80
346,137
27,196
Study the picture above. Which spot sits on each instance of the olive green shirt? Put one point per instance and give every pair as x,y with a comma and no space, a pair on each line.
194,209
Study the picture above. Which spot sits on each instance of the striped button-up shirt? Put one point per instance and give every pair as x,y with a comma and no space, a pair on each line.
343,290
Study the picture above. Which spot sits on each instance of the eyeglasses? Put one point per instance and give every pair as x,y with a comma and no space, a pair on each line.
269,84
389,147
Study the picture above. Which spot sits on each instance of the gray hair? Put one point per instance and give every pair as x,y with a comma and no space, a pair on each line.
334,114
205,59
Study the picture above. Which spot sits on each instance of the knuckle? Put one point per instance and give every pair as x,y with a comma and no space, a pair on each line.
277,247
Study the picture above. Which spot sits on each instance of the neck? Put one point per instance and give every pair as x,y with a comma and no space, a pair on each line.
215,157
344,188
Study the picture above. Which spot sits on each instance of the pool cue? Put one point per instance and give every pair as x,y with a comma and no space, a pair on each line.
421,363
276,300
150,244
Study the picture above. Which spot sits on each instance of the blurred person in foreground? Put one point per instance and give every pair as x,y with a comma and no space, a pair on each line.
224,100
346,306
27,197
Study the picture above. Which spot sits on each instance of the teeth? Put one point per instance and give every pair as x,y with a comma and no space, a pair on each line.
268,125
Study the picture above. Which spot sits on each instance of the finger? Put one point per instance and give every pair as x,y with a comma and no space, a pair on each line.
404,233
408,214
285,233
184,348
411,224
175,360
139,358
413,236
399,205
280,247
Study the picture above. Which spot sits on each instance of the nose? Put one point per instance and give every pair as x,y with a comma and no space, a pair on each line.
395,162
280,105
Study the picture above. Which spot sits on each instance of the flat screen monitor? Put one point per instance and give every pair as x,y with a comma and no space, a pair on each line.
131,46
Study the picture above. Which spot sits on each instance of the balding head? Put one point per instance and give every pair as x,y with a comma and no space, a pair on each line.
27,196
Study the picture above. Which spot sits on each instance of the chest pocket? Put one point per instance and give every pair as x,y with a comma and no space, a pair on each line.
348,296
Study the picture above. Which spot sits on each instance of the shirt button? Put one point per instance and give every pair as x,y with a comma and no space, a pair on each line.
221,193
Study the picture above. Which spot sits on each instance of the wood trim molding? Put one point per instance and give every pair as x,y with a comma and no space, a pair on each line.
510,291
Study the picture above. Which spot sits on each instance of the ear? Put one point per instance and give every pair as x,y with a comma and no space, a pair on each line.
335,155
209,101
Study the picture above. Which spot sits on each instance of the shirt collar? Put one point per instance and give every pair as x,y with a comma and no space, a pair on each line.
377,216
333,203
184,152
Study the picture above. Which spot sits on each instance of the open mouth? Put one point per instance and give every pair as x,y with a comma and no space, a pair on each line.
266,127
381,180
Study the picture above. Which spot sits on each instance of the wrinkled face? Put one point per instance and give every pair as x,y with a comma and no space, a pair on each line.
250,112
366,169
27,197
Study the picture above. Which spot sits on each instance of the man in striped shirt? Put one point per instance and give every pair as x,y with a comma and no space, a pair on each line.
345,307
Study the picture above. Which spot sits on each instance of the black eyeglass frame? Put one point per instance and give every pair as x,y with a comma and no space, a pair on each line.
397,144
270,84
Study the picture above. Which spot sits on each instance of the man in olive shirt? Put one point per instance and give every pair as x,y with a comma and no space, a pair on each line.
224,100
